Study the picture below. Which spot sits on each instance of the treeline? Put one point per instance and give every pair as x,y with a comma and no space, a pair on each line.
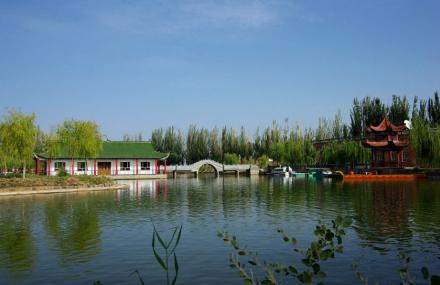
289,144
292,145
283,144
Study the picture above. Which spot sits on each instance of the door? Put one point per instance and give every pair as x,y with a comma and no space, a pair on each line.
104,168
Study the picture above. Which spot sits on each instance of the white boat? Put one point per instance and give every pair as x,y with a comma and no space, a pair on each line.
281,171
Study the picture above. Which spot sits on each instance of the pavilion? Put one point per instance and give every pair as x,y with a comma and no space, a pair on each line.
390,145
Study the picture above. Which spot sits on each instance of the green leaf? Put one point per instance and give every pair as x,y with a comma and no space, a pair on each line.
339,240
159,260
435,280
329,235
307,277
241,252
316,268
306,261
425,272
252,262
158,237
172,237
293,270
293,240
139,277
178,236
176,268
322,274
326,254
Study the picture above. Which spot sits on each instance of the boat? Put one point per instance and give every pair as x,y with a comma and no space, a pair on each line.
320,172
383,177
337,175
299,174
281,171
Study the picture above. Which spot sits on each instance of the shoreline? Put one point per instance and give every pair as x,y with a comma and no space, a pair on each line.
55,189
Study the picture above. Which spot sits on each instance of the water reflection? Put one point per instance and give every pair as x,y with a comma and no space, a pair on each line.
17,246
72,223
383,210
110,231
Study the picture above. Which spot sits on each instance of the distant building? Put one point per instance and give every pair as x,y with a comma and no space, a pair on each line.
115,158
390,145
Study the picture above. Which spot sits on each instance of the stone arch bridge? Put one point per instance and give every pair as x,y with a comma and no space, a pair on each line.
194,168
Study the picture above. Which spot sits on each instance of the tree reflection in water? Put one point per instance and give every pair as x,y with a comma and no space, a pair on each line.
73,227
17,248
383,210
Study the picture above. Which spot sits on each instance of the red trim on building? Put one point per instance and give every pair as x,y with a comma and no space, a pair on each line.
37,167
116,162
48,167
73,167
137,166
165,166
94,167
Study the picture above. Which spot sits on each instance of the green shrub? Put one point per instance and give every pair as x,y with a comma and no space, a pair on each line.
62,173
231,158
263,161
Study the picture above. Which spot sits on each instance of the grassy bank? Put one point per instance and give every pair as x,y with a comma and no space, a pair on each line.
66,181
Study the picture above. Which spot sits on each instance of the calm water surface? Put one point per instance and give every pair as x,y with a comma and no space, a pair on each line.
81,238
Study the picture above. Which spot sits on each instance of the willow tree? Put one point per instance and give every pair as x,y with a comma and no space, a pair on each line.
3,155
18,135
425,142
80,139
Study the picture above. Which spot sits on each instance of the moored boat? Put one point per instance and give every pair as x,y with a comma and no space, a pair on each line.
281,171
379,177
320,172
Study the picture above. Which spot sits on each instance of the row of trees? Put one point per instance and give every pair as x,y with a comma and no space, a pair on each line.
293,145
20,137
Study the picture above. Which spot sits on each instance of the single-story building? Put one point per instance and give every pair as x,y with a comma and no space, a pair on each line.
115,158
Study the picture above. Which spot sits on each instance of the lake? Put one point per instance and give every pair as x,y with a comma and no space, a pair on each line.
79,238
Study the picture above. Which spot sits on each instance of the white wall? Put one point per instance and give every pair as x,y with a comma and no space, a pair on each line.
90,167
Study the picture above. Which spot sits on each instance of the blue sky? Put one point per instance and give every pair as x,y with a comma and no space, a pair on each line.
133,66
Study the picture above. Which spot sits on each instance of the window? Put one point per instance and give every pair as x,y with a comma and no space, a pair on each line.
60,165
81,166
379,156
145,165
393,156
124,165
405,156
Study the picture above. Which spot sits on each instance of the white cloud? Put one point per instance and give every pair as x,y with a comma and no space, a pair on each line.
181,16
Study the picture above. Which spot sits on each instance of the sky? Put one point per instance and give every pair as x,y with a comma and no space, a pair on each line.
133,66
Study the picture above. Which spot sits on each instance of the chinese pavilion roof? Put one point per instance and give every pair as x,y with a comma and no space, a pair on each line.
118,150
385,126
386,135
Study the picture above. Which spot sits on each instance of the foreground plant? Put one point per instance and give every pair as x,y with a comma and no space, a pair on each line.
328,242
406,278
169,250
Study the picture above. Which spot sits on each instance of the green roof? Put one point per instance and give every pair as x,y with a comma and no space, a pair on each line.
121,149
